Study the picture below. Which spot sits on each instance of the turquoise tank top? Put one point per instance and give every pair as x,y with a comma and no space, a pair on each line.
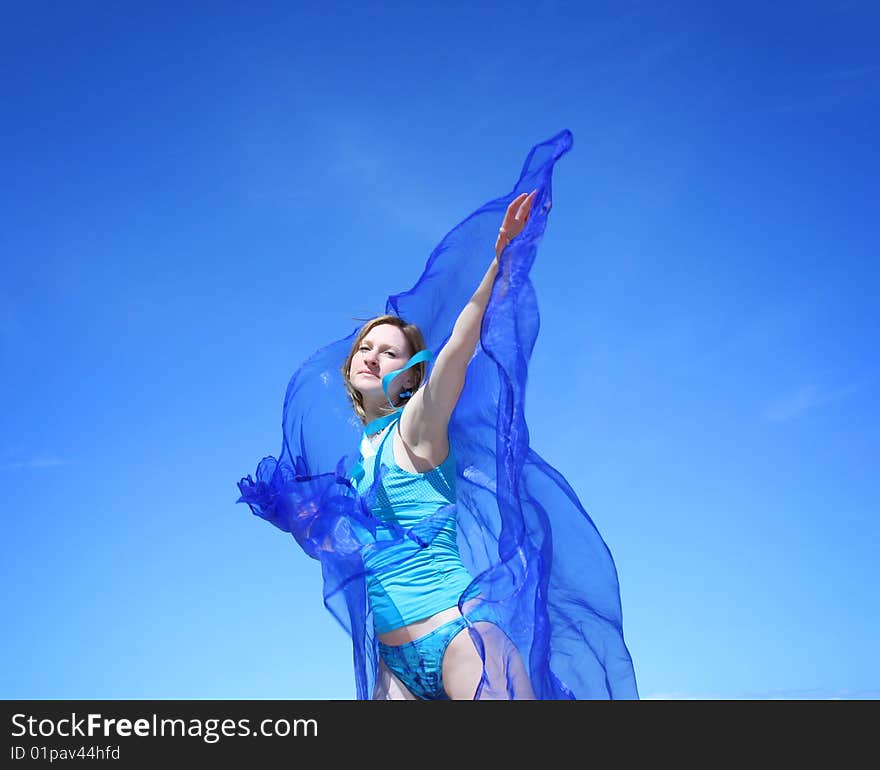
412,578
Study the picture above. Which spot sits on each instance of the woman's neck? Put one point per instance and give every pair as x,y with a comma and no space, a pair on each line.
374,413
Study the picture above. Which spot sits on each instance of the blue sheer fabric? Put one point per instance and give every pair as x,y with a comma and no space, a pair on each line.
535,554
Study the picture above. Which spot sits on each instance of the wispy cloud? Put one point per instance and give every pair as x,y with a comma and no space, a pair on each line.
795,403
852,73
36,462
361,159
833,89
11,331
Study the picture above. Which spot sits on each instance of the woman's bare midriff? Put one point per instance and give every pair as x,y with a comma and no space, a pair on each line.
413,631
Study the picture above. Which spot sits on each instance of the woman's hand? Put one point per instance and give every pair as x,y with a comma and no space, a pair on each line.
514,220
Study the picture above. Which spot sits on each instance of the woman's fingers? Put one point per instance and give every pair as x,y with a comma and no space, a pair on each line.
516,202
518,213
519,201
526,206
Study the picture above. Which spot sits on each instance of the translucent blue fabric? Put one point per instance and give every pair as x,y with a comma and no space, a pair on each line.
534,552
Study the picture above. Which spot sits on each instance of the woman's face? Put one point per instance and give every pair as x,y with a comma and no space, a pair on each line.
384,349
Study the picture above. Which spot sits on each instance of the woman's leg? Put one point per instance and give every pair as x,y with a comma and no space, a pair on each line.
389,687
504,675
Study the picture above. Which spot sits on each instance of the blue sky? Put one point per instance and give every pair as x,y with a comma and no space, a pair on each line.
198,196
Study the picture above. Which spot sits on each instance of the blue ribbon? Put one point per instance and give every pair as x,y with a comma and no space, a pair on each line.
422,355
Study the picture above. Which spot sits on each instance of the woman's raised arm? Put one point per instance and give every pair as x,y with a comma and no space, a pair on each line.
427,415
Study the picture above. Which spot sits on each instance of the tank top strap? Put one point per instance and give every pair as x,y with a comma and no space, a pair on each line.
392,426
367,449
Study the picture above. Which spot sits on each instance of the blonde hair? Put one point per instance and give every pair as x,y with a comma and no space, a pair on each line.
416,343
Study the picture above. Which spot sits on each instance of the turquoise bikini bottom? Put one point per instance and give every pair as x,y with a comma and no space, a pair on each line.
419,664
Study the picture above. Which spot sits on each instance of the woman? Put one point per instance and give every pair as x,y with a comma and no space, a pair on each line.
425,648
459,561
